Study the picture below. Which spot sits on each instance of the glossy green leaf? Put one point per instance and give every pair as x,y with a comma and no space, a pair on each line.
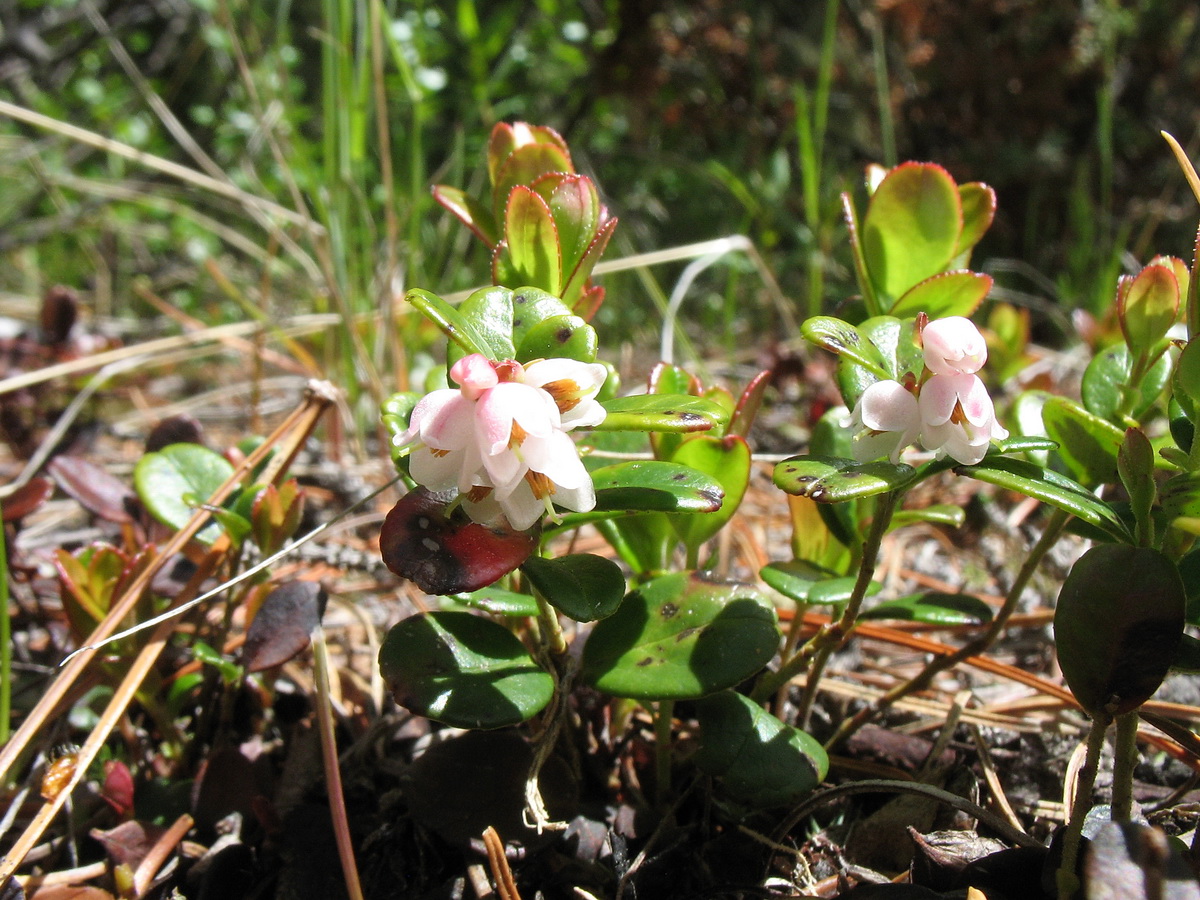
563,337
1180,495
727,461
938,514
465,337
1109,375
174,480
757,759
581,585
846,341
576,209
834,480
1022,444
679,637
644,542
1087,444
463,670
529,253
500,602
655,486
934,608
1147,307
978,211
661,412
795,578
1050,487
956,293
1118,620
1185,380
1135,464
469,211
911,229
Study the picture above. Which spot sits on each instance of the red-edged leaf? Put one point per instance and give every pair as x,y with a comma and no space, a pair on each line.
577,280
27,498
524,166
283,624
748,404
117,790
979,209
97,490
449,554
469,211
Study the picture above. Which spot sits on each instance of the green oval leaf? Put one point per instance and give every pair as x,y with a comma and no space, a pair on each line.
1148,306
1116,634
938,514
757,759
529,253
846,341
1108,376
656,486
911,228
828,479
564,337
492,339
171,482
679,637
662,412
795,578
957,293
584,586
978,209
727,460
934,608
500,602
1087,444
463,670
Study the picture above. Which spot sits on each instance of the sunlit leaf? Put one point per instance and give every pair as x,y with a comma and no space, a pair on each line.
174,480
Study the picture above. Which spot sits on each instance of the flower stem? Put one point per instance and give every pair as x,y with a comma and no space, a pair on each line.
1054,528
1125,759
1066,878
822,645
551,632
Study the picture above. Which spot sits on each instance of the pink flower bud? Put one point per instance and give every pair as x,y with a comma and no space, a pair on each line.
953,346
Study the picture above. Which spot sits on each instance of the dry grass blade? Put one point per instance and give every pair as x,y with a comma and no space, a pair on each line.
501,873
285,443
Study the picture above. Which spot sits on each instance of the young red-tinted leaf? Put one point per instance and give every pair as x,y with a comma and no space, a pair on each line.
1087,444
1050,487
847,342
506,138
523,167
933,608
179,429
581,585
463,670
95,489
661,412
576,287
655,486
117,790
1116,634
28,498
1148,307
529,253
911,229
275,515
835,480
577,212
448,554
956,293
469,211
748,404
283,625
727,460
978,210
681,636
756,758
173,481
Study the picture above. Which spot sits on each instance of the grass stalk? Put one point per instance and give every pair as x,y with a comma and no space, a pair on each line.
887,125
329,756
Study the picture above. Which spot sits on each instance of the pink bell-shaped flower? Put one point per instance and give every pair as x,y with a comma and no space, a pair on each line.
887,420
958,418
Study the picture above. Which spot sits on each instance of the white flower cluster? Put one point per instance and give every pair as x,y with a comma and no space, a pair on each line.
950,412
500,438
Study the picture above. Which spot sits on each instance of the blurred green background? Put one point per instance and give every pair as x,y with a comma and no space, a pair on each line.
698,120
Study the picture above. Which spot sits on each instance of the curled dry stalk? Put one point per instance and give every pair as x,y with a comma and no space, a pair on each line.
285,442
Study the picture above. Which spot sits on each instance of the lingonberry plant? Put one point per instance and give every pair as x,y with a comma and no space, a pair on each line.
496,476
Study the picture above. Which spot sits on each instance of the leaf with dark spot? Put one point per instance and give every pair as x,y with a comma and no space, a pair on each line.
283,624
448,553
